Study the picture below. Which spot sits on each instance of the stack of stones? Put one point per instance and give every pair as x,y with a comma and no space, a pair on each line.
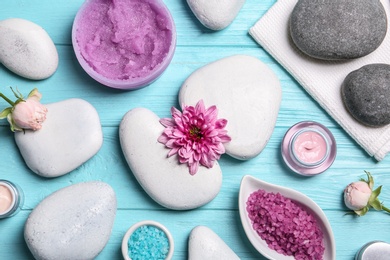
344,30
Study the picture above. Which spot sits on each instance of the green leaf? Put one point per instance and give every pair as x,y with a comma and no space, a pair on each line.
376,204
374,195
362,212
370,180
5,112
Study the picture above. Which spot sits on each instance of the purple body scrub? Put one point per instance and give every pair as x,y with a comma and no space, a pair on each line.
124,40
286,227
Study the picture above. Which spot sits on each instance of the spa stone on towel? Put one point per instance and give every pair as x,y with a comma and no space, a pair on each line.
204,244
216,14
334,30
70,135
74,222
26,49
366,94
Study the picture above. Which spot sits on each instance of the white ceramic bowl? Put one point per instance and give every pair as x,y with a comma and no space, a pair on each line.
249,185
125,248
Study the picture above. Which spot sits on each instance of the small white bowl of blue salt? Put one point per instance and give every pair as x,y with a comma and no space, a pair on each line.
147,240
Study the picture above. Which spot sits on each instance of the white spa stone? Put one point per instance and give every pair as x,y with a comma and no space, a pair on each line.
215,14
70,135
164,179
74,222
204,244
246,92
26,49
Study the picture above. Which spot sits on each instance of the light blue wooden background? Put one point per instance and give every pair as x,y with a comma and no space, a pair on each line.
196,47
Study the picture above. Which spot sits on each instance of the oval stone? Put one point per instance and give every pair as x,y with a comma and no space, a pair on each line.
335,30
366,94
205,244
74,222
70,135
163,178
246,92
26,49
215,15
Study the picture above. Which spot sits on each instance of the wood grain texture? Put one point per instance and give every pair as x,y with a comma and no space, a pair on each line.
196,46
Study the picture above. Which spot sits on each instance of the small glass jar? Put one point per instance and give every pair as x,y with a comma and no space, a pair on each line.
308,148
11,199
377,250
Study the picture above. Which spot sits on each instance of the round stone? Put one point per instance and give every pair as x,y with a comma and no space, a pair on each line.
335,30
366,94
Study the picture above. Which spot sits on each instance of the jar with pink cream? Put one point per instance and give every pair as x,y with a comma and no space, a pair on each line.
308,148
11,199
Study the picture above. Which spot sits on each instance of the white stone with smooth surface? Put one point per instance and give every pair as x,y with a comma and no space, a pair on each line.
70,135
74,222
164,179
26,49
205,244
246,92
216,14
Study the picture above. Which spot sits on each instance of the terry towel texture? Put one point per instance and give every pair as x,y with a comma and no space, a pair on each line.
323,79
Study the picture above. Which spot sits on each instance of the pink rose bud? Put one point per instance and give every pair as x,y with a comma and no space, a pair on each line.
356,195
29,114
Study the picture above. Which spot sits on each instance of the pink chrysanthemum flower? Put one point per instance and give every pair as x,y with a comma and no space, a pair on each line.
196,135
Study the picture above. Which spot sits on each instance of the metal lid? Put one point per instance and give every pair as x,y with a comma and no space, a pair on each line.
376,250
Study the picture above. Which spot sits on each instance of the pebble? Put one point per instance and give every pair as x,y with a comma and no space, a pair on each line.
163,178
70,135
26,49
336,30
204,244
246,92
74,222
215,15
366,94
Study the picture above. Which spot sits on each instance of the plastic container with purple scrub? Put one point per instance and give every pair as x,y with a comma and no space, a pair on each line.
308,148
124,44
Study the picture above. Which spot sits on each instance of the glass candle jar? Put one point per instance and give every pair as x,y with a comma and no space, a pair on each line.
308,148
11,199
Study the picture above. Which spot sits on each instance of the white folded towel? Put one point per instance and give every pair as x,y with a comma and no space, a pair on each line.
323,79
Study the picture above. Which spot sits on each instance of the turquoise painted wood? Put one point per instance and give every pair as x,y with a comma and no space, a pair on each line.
196,46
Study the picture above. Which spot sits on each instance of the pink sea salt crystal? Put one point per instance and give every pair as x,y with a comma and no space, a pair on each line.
286,226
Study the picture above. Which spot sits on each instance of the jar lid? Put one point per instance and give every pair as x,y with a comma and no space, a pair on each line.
377,250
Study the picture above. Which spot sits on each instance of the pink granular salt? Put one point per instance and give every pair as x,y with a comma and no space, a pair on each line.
124,39
286,226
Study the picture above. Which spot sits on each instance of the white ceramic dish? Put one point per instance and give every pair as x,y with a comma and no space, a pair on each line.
134,227
249,185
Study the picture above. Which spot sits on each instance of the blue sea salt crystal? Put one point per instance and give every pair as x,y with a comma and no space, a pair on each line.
148,242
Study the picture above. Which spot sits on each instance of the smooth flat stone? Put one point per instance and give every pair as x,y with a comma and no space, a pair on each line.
246,92
70,135
26,49
74,222
366,94
204,244
334,30
164,179
215,14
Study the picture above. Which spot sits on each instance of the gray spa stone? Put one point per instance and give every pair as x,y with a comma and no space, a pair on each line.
74,222
26,49
366,94
70,135
334,30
